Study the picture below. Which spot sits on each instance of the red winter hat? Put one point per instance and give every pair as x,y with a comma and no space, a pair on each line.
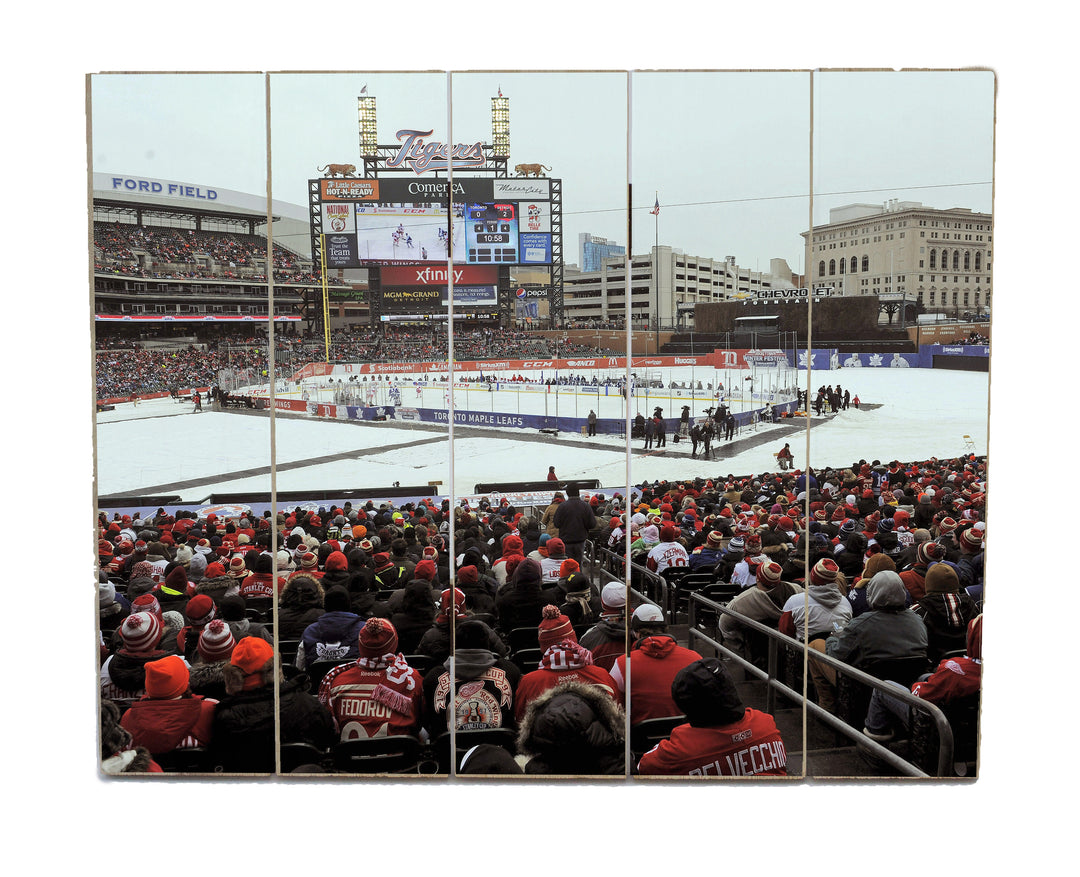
309,560
146,603
200,610
237,568
824,572
555,628
140,632
336,560
213,570
467,575
555,546
251,654
667,533
216,642
378,638
458,602
427,570
769,573
167,677
513,545
567,567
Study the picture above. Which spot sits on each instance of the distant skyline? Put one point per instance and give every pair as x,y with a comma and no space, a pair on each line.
726,154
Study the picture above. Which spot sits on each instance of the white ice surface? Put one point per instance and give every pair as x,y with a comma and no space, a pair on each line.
923,413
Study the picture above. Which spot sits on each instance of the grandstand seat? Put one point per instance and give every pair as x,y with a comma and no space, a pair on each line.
288,648
853,698
398,753
421,663
523,638
675,577
466,740
260,605
316,670
527,660
196,759
645,735
294,755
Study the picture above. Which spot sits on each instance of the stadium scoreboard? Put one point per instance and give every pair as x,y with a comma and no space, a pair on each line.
362,223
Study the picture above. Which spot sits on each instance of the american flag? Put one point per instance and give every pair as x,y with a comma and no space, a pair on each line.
656,207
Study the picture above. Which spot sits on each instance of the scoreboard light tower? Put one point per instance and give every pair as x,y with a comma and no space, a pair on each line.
368,136
500,126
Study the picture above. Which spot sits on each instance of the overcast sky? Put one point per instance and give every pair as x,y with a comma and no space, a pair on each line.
727,154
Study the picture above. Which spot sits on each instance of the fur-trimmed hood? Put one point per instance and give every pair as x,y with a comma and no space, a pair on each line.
303,592
573,728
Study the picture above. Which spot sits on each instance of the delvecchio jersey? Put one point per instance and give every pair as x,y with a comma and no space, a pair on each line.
749,747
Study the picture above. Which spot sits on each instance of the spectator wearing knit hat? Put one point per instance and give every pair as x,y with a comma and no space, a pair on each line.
512,545
655,658
914,577
206,674
123,673
199,611
762,602
705,557
668,553
333,636
169,716
822,611
378,694
946,610
245,721
581,602
969,564
174,590
721,737
563,660
606,639
857,595
112,609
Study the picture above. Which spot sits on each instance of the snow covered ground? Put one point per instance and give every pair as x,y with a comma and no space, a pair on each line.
148,447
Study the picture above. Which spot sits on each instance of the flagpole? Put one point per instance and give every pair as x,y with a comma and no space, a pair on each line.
656,266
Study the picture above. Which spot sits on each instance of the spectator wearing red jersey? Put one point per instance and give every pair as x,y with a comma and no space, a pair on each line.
655,658
563,660
169,716
379,694
721,737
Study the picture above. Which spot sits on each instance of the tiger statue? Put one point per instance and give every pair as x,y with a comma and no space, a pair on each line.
523,170
336,170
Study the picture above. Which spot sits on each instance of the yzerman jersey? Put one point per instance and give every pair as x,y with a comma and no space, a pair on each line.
666,555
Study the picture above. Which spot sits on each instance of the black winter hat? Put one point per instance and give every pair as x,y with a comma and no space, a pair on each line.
706,694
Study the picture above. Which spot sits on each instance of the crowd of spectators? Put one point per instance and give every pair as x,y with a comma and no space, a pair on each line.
126,367
186,253
192,649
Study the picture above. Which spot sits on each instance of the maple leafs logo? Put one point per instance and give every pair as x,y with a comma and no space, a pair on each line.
875,360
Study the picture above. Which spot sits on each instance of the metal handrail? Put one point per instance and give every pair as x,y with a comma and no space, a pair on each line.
775,639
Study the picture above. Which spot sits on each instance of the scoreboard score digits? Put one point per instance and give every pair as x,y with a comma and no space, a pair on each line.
491,233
